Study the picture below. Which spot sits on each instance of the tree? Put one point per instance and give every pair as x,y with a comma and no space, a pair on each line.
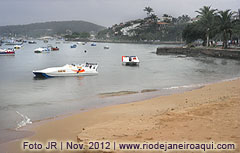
207,21
153,17
191,33
183,19
225,26
149,10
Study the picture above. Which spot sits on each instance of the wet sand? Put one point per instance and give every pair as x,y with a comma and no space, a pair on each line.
207,114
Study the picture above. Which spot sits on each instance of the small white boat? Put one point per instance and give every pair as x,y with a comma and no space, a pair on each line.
106,47
32,42
130,60
68,70
41,50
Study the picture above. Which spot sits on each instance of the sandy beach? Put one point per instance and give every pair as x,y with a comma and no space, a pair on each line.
207,114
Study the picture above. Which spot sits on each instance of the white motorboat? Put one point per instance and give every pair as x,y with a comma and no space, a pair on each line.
130,60
41,50
106,47
68,70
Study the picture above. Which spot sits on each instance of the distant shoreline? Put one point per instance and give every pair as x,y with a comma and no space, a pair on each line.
131,42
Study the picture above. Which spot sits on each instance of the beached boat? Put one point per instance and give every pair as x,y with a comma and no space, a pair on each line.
41,50
7,52
68,70
73,46
130,60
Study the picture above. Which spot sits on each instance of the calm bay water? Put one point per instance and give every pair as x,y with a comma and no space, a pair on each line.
24,99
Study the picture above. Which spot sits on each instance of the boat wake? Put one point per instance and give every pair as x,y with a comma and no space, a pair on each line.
25,120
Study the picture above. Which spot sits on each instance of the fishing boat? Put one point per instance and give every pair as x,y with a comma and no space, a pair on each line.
68,70
73,46
7,52
41,50
130,60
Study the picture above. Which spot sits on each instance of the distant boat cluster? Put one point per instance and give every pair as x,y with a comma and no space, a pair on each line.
68,69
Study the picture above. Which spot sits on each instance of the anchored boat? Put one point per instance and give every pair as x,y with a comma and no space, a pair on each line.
54,48
17,47
93,44
106,47
41,50
130,60
68,70
7,52
73,46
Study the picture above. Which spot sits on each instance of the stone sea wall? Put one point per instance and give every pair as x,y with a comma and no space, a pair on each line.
213,52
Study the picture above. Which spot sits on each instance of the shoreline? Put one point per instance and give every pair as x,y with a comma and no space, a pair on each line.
131,42
42,124
145,94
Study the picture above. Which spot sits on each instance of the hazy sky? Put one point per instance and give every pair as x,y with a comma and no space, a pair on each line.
102,12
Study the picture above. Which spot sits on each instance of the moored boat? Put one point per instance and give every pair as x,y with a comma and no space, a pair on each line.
130,60
13,43
68,70
41,50
32,42
7,52
106,47
54,48
73,46
17,47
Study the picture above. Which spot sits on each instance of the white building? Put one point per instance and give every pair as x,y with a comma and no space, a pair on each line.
126,30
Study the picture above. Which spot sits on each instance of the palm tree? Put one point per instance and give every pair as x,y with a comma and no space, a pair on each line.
148,9
225,25
207,20
153,17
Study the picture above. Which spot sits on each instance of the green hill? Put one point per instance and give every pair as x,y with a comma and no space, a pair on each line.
49,28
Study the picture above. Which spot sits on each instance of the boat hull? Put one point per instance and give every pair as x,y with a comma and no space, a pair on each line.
7,53
49,75
131,63
41,75
68,70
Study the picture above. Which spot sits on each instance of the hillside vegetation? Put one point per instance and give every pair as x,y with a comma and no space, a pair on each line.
49,28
